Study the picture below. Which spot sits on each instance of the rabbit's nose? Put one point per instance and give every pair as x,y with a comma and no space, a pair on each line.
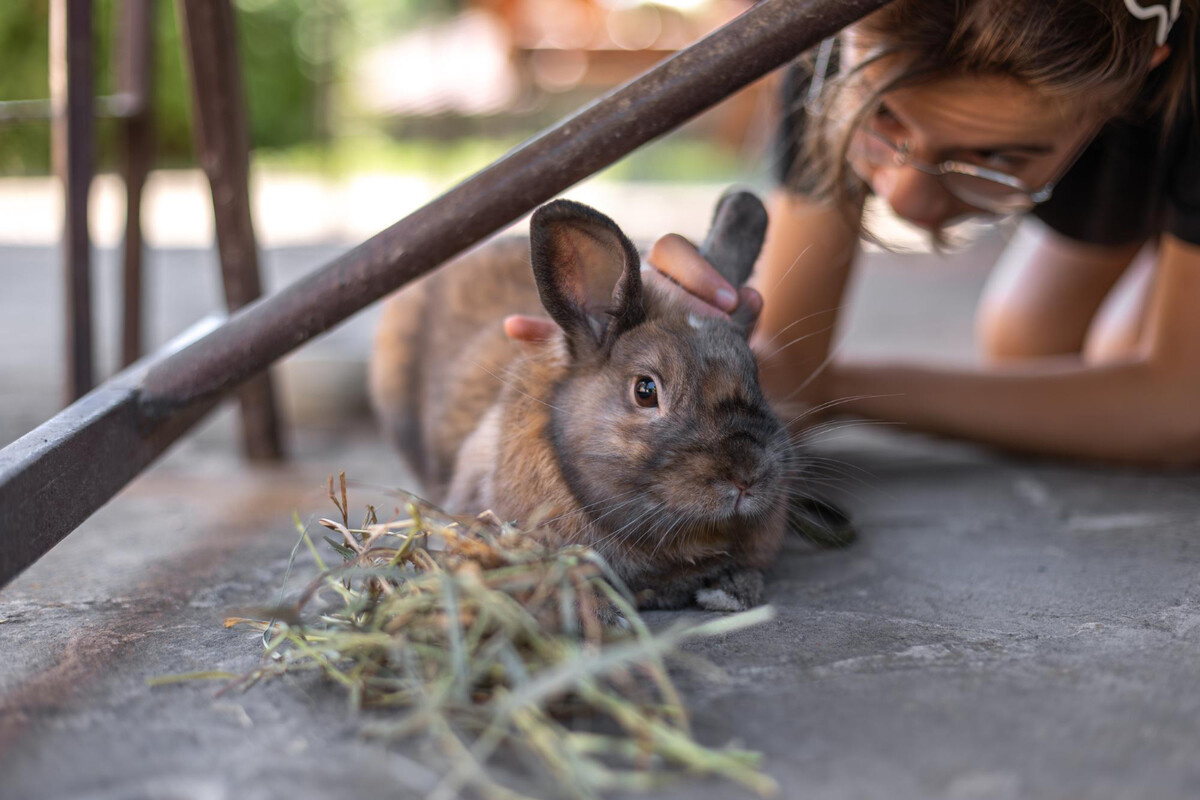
744,480
744,469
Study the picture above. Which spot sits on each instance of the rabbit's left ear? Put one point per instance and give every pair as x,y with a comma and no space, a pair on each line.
588,274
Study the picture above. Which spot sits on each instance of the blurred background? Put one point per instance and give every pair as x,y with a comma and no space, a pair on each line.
430,87
360,112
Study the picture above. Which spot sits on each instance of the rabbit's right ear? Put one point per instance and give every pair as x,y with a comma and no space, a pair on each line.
588,274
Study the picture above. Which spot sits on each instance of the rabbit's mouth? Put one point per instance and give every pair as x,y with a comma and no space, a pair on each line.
747,502
732,500
741,498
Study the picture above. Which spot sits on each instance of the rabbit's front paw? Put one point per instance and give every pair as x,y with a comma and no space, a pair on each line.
731,591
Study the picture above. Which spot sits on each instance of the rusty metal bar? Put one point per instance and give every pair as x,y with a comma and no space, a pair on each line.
758,41
54,477
73,141
223,143
104,446
135,70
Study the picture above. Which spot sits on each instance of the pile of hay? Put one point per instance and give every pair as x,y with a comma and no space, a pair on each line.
483,638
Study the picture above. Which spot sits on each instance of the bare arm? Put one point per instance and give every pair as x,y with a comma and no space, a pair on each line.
1143,409
802,275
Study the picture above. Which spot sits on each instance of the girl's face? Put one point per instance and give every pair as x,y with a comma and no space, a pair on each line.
990,122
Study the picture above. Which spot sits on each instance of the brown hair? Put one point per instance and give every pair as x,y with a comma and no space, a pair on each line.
1093,49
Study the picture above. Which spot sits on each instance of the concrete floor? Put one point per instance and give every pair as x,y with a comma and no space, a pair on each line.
1002,629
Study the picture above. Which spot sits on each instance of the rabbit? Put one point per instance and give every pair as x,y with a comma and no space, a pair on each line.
640,430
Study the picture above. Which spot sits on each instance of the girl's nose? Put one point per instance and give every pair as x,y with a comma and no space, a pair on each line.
913,195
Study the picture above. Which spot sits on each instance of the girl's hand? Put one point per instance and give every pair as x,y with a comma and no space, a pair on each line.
674,265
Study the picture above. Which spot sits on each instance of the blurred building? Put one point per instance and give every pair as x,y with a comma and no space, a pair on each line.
511,62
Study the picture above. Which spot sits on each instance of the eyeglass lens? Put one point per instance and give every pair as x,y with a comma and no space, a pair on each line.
978,191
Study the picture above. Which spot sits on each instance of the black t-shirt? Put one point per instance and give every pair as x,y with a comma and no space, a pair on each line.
1130,184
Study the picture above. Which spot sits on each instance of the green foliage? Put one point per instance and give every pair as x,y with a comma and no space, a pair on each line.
23,41
280,90
449,159
294,55
279,84
678,158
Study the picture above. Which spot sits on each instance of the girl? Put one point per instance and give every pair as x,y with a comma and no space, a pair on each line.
1078,114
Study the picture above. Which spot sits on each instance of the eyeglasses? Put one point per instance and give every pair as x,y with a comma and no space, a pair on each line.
986,189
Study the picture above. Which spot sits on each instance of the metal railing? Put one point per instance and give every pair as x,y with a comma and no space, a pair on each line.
55,477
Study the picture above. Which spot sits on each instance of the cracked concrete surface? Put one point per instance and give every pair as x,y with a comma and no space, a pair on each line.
1001,629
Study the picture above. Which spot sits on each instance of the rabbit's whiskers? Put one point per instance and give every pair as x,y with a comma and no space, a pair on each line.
649,529
515,388
793,324
666,535
791,267
818,433
595,521
617,534
647,525
833,351
589,506
797,340
833,404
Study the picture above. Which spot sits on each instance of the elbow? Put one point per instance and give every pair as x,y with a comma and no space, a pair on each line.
1006,332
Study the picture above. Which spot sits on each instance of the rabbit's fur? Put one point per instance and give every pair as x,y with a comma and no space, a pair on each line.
552,433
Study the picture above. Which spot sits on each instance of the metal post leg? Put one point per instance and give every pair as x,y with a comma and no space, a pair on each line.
222,137
134,77
72,134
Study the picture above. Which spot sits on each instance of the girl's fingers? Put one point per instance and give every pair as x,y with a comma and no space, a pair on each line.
668,287
749,308
521,328
679,260
750,302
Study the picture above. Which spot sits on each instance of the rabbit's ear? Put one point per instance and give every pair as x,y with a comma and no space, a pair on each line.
588,274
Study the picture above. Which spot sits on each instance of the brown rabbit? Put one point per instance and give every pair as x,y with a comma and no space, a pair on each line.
641,431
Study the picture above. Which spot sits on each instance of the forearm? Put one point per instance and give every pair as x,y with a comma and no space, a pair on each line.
802,274
1127,411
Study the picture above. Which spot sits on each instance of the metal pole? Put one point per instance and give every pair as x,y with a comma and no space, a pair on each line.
223,144
758,41
134,77
72,134
57,475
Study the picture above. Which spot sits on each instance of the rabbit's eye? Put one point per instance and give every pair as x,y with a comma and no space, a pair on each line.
645,391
